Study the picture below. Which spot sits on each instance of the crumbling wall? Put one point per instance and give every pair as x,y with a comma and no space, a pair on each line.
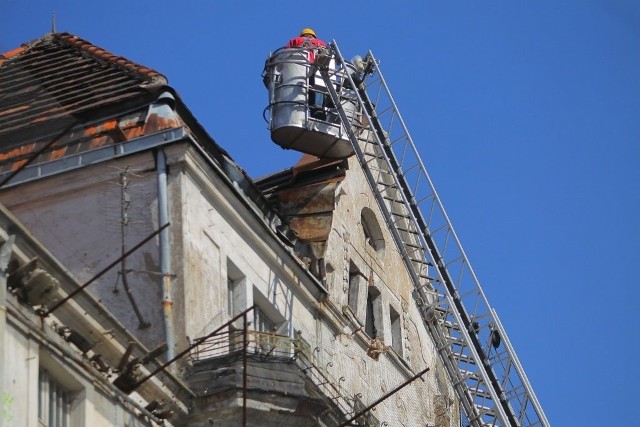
78,217
363,261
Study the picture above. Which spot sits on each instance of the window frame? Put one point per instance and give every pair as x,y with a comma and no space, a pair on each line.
54,400
395,322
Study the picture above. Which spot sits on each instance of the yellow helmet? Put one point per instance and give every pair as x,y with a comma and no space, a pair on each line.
308,32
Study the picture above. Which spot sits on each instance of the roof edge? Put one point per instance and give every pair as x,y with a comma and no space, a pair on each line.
104,55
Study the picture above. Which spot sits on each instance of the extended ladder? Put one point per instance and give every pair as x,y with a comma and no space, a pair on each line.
480,361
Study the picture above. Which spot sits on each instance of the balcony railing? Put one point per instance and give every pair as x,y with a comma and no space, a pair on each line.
264,344
235,338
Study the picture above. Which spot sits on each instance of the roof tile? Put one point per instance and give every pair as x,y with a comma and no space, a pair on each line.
64,95
62,74
11,54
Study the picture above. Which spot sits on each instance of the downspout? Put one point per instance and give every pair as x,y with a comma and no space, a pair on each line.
165,260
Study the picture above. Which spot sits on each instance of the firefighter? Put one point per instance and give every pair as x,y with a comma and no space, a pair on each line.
307,38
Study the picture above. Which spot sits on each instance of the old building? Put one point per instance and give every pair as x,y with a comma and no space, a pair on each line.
279,302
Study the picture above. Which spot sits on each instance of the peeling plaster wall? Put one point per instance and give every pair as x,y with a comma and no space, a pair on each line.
77,216
216,230
384,270
21,366
91,403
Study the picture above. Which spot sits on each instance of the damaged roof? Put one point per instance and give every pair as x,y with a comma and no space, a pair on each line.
61,95
66,103
306,195
62,75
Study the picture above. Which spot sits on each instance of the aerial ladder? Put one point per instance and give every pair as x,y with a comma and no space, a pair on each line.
361,117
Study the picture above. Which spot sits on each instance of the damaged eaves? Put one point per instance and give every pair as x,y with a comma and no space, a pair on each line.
306,196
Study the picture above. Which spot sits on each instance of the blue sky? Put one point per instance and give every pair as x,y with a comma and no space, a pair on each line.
527,117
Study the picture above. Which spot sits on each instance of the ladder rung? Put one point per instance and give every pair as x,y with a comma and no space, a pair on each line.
406,230
393,199
485,411
451,325
455,341
421,261
381,170
401,215
374,155
468,375
411,245
480,393
465,358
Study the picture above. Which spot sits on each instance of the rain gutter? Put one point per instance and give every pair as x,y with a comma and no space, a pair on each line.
165,259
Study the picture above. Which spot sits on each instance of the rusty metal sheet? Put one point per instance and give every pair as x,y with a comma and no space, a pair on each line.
314,228
314,198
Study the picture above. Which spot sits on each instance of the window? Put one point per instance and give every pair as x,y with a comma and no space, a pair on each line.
53,401
269,325
236,303
266,317
365,301
262,323
396,330
236,292
372,321
357,292
372,231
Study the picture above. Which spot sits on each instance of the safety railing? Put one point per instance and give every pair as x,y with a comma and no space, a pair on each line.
236,338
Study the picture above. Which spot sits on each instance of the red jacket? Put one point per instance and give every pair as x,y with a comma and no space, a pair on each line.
307,42
303,41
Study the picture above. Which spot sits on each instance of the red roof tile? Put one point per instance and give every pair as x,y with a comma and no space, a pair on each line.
61,75
11,54
100,53
64,95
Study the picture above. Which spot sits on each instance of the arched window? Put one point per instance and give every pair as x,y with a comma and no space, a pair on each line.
372,231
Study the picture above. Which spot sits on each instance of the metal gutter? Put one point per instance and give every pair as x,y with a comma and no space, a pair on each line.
165,254
86,158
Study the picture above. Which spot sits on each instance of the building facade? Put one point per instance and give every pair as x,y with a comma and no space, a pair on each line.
210,298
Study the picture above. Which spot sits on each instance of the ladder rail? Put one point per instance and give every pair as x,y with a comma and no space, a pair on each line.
523,376
481,295
433,191
453,297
